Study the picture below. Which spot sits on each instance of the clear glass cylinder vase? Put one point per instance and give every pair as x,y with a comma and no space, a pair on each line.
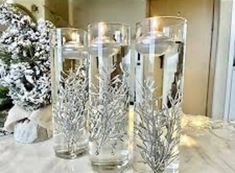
160,43
69,92
108,94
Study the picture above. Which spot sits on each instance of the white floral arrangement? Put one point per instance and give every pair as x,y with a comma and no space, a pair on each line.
25,57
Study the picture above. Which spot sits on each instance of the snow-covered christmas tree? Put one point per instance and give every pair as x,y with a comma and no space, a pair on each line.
25,70
24,58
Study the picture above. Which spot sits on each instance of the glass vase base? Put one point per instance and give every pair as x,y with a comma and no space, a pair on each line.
171,168
66,154
109,164
123,169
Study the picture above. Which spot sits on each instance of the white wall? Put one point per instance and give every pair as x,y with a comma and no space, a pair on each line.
222,59
229,112
231,109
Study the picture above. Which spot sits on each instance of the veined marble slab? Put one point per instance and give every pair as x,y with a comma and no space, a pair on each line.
202,151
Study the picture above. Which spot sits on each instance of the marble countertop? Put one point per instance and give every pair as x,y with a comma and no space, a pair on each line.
203,150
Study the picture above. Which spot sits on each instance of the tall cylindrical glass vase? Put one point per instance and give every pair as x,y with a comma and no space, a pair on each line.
108,94
160,43
69,92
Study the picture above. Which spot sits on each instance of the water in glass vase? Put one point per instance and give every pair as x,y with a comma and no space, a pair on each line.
158,106
109,107
70,96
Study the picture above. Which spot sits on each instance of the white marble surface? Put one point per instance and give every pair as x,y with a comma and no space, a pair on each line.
202,151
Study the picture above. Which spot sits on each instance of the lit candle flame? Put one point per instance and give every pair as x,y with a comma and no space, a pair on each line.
154,25
75,37
102,28
63,40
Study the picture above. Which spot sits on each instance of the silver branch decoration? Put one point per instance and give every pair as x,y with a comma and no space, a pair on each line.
157,127
70,111
108,110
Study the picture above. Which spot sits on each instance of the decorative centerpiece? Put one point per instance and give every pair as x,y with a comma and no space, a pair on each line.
108,94
160,42
25,71
70,92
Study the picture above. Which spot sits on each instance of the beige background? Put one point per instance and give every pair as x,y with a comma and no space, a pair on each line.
84,12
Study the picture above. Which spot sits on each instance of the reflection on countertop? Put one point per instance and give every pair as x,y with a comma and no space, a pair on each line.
206,147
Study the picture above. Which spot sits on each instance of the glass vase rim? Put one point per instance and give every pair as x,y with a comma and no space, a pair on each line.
69,28
90,25
181,19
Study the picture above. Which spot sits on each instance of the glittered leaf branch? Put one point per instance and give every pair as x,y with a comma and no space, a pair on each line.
108,110
157,127
70,109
